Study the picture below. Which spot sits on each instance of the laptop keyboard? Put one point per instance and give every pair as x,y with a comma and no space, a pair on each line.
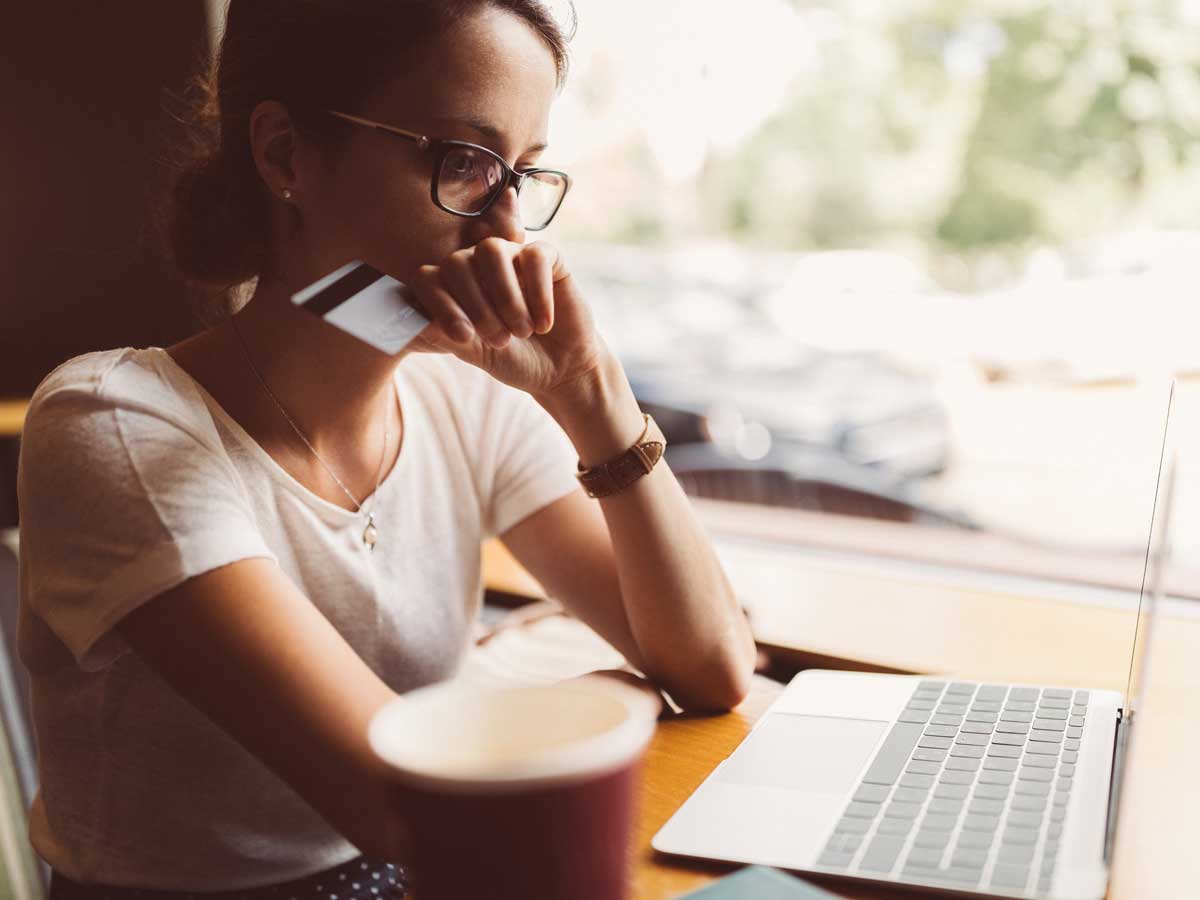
969,789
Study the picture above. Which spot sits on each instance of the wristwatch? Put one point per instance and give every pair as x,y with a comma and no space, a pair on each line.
619,473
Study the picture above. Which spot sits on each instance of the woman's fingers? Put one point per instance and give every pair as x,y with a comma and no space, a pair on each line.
439,306
534,266
458,277
493,265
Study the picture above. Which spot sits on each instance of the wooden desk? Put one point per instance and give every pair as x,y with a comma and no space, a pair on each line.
825,613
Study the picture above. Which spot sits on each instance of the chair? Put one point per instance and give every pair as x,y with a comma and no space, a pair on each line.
23,876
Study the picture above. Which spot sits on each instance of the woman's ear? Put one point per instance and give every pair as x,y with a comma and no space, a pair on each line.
273,145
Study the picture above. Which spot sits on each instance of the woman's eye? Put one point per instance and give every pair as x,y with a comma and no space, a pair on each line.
461,165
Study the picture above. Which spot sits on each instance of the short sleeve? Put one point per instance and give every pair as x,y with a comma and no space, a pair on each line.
119,501
533,462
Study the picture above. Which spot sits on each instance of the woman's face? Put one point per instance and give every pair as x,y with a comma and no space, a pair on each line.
490,80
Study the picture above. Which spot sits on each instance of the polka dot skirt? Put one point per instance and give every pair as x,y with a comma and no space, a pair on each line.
358,879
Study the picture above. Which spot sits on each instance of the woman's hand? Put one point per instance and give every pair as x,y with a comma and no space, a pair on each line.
511,309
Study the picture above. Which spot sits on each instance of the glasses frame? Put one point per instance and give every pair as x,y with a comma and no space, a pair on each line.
439,147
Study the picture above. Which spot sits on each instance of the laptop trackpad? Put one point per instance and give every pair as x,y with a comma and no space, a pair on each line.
818,754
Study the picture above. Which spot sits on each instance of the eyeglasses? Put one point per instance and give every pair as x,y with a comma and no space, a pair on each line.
468,179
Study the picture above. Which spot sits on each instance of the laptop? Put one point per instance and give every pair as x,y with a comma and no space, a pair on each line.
950,786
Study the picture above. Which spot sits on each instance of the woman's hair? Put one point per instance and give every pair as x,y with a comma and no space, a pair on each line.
210,212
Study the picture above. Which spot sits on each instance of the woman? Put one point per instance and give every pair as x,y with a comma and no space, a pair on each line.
236,549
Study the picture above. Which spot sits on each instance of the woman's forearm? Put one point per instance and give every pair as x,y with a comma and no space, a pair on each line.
681,609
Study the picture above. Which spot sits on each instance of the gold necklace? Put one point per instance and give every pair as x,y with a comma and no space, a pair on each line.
371,532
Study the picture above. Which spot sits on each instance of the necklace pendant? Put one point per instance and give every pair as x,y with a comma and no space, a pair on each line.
370,533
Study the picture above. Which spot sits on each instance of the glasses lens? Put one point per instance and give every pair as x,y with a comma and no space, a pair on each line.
541,194
468,179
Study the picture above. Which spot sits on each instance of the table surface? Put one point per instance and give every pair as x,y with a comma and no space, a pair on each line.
820,611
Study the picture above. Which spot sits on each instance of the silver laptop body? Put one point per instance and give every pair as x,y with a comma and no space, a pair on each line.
954,786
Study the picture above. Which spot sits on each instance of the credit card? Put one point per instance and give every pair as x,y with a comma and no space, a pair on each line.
366,303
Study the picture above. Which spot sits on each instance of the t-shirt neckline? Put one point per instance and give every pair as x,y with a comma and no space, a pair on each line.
281,474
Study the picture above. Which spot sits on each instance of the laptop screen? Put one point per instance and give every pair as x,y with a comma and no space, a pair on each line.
1154,568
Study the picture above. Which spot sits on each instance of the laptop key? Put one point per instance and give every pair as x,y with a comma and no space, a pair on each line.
835,859
923,767
1078,710
1000,764
1044,713
946,720
1045,748
871,793
942,730
1021,705
945,807
953,777
1013,727
1027,803
991,776
1009,875
951,791
970,858
910,795
961,764
932,743
1022,693
1056,693
1074,733
1011,715
979,740
862,810
853,826
981,823
890,760
935,840
1066,770
1004,751
983,807
916,781
992,791
902,811
1051,703
1014,740
1033,788
938,823
1075,721
977,727
1038,735
923,856
1017,835
961,687
1017,853
1059,725
979,715
881,853
929,755
931,685
1025,819
985,706
975,840
1039,762
1081,697
968,750
844,843
1031,774
914,716
991,692
1071,744
921,704
898,827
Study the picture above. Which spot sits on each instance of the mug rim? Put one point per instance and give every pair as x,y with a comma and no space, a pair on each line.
581,760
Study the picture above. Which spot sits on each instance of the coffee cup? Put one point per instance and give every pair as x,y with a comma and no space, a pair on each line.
517,793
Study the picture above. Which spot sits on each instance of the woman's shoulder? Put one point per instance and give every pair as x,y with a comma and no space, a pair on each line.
126,378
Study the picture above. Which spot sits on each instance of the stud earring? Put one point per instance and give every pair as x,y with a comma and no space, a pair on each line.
287,194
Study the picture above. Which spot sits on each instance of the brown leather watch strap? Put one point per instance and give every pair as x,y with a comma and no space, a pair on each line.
619,473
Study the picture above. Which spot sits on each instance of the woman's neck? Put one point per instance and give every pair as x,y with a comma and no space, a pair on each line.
335,388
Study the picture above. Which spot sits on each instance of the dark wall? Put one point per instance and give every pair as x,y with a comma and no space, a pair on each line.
81,85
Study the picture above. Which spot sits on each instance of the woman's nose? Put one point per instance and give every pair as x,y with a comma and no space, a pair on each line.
503,218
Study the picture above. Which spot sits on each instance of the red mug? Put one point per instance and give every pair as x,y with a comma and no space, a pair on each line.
518,793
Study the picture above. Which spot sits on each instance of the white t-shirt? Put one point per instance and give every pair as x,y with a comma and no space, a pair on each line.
132,479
